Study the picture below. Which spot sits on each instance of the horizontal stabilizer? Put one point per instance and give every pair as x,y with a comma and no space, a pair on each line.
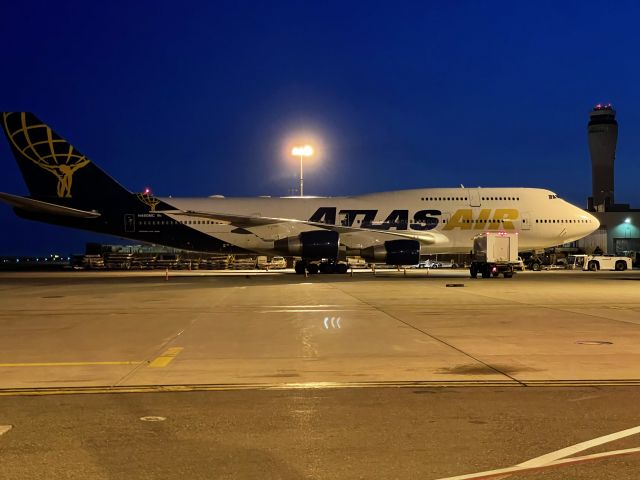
31,205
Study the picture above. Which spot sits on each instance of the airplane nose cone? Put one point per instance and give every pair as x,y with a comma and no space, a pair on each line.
592,223
586,222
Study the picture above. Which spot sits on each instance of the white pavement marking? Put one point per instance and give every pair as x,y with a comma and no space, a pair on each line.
153,419
579,447
5,428
557,458
506,472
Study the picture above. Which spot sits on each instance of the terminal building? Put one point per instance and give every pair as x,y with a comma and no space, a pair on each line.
619,231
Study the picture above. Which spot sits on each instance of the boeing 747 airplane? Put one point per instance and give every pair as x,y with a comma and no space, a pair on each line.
395,228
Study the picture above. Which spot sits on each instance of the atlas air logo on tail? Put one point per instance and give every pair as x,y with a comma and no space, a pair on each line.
37,143
462,219
148,199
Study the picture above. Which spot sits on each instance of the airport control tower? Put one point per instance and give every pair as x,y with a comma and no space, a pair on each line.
603,136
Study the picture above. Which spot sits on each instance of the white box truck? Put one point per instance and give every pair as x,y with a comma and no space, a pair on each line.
494,253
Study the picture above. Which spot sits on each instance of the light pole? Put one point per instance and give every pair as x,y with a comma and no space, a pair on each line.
302,151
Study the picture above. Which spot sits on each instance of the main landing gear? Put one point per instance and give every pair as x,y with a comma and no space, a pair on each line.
323,267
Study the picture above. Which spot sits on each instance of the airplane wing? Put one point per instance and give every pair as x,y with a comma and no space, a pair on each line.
250,221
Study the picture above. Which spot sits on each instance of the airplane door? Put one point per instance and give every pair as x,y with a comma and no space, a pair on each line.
526,221
474,197
129,222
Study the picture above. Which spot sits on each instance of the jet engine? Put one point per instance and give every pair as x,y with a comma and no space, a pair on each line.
393,252
312,245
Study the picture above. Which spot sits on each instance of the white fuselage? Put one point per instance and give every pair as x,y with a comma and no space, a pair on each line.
445,219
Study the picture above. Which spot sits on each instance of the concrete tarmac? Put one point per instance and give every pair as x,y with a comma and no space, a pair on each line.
532,364
378,433
114,330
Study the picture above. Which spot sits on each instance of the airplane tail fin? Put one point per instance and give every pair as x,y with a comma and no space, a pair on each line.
53,169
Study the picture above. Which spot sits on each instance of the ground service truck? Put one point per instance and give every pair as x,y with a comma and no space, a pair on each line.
598,262
494,253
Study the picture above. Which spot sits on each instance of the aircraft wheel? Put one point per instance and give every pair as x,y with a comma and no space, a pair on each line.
326,267
313,268
300,267
473,270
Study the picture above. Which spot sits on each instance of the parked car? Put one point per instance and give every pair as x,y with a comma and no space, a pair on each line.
429,264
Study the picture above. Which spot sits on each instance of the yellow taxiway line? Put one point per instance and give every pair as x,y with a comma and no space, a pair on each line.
66,364
166,358
159,362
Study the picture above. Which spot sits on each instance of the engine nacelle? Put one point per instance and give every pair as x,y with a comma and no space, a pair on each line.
312,245
393,252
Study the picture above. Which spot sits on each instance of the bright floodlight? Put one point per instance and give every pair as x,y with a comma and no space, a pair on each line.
302,151
627,220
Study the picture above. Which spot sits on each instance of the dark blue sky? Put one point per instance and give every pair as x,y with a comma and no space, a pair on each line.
200,98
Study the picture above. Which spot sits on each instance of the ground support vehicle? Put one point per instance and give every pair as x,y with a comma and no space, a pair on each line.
535,262
357,262
494,254
263,263
599,262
